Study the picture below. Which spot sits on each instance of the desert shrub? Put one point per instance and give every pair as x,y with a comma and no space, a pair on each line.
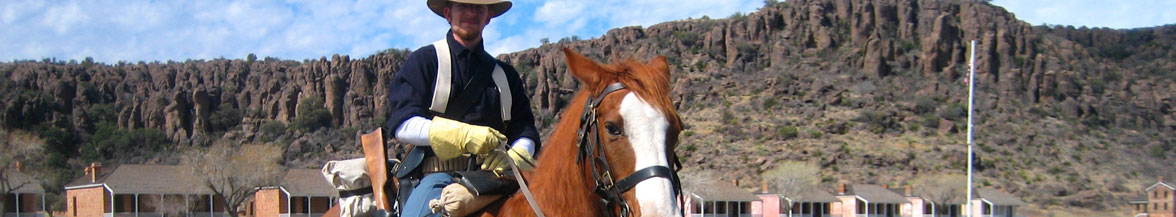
875,121
747,49
1157,151
770,102
923,105
688,38
954,112
272,129
787,132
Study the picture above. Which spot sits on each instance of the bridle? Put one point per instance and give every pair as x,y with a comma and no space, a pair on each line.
610,190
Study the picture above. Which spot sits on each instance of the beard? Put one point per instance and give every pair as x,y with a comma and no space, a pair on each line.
467,34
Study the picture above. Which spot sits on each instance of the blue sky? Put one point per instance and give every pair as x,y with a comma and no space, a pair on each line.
150,30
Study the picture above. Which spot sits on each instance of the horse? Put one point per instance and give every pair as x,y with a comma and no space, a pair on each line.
611,153
620,124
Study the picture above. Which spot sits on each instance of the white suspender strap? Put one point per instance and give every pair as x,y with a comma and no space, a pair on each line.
444,77
442,86
503,91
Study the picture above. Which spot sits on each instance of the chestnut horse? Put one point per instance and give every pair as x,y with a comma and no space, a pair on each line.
635,127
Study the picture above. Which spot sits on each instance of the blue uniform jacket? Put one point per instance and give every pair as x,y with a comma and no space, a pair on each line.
411,91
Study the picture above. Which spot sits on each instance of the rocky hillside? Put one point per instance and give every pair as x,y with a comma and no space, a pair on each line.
872,92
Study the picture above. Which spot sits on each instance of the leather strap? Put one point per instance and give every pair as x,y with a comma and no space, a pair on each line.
526,190
355,192
442,87
641,175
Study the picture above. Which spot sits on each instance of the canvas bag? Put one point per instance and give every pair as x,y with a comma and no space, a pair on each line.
351,175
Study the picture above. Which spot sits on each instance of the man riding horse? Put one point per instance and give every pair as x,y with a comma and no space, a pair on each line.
456,104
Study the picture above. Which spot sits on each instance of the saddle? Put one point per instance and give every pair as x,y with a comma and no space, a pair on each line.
392,179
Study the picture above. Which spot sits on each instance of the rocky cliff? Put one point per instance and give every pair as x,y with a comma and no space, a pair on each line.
871,91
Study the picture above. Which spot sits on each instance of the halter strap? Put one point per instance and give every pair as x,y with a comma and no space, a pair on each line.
641,175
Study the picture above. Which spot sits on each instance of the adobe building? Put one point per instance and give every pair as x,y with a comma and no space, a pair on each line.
916,206
302,193
719,199
1157,201
140,191
995,203
26,199
868,201
810,202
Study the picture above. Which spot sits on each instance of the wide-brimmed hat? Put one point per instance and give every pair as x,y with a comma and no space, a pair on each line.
497,7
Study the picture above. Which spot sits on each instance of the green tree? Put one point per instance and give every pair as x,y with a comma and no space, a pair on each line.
311,115
225,117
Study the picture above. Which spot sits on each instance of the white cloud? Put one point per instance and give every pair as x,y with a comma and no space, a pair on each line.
62,18
1093,13
560,12
146,30
138,30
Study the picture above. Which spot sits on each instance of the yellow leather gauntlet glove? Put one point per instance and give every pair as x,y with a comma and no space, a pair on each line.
450,138
498,160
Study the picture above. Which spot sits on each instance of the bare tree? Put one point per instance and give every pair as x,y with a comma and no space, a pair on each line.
943,188
235,173
792,177
173,205
18,147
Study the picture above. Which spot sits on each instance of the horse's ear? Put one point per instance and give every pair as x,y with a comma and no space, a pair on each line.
584,69
660,63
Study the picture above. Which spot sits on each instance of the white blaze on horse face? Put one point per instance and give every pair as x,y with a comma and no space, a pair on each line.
646,128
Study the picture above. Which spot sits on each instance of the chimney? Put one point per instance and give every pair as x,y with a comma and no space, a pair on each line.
908,191
1160,178
886,186
764,187
93,171
19,167
841,188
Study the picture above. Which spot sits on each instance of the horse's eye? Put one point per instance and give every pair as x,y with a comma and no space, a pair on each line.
612,129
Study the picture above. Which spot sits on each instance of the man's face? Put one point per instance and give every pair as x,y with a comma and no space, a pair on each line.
467,20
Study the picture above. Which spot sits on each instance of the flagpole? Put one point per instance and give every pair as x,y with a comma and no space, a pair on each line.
971,89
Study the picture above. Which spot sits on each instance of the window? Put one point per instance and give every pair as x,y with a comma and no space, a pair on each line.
927,208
